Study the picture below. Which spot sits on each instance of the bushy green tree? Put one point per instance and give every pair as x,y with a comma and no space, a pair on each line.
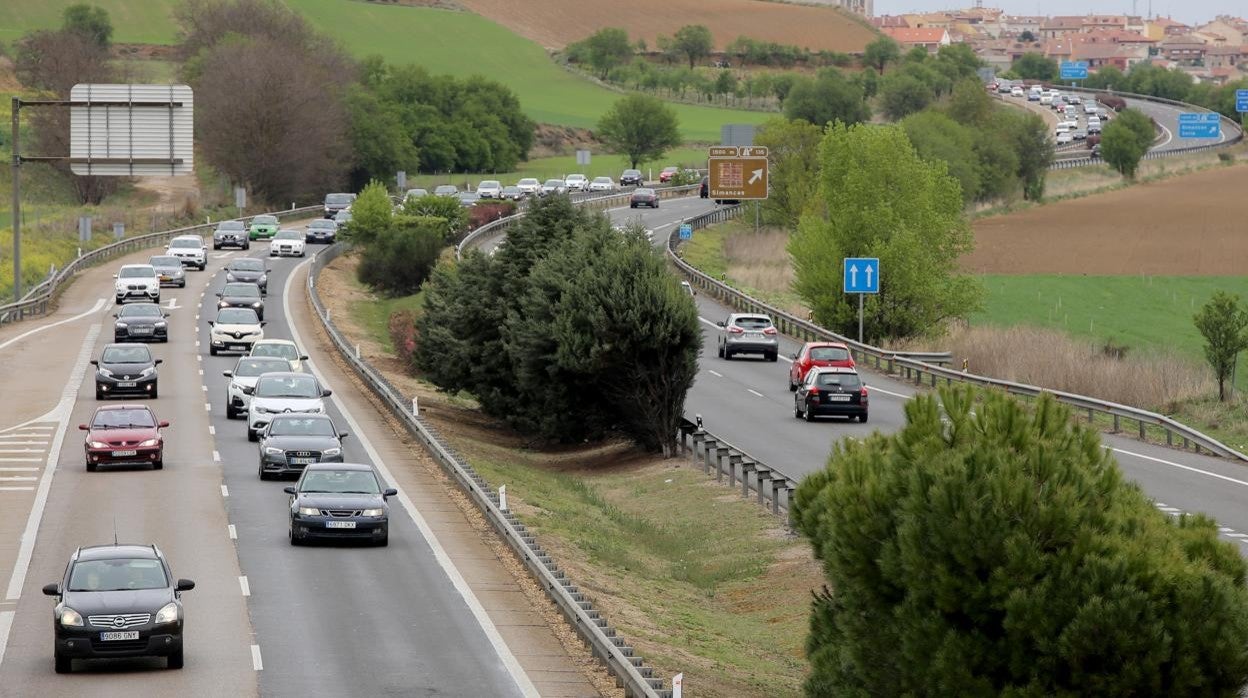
640,127
825,99
1029,136
938,138
397,260
447,208
793,154
1125,140
1033,66
878,198
90,21
992,549
782,85
608,48
1106,77
1223,323
902,95
380,140
694,42
879,53
372,213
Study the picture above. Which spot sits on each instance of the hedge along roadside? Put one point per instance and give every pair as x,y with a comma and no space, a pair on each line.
916,367
39,299
607,646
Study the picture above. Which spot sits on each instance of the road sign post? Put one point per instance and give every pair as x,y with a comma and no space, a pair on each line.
400,179
582,157
1074,70
686,231
1241,101
738,173
861,276
1200,125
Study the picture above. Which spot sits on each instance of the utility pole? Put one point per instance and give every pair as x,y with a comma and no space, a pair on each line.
17,202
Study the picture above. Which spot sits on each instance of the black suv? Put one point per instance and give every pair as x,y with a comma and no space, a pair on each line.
631,178
117,601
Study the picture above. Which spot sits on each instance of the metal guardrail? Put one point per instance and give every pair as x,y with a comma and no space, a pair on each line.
915,367
773,488
39,300
629,670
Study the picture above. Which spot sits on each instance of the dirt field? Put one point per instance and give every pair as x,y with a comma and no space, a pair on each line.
556,23
1191,225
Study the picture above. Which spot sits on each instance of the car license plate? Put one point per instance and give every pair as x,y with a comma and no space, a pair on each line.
339,524
237,347
120,454
141,330
838,397
302,461
166,277
120,635
126,384
754,335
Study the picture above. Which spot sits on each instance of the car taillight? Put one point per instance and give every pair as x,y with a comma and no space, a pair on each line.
814,390
862,394
769,330
735,330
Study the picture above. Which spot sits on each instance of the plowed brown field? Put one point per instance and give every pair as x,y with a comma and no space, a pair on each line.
1191,225
557,23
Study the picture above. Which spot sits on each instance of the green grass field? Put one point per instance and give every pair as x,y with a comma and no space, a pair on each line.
457,43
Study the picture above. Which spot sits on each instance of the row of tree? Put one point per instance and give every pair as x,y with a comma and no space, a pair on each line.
571,331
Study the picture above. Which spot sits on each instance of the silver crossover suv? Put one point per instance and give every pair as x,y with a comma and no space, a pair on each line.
748,333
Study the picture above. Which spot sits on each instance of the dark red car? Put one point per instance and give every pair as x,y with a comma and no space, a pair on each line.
818,354
667,173
644,197
124,435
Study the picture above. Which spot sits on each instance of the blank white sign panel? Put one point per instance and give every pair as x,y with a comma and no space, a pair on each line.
131,130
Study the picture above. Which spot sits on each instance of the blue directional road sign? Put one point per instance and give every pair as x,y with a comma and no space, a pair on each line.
686,231
1200,125
862,275
1074,70
1241,101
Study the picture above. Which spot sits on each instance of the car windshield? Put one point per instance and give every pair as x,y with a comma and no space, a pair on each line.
126,355
241,291
231,225
469,196
338,198
288,235
340,482
136,272
489,184
829,354
343,216
632,173
844,380
165,262
288,386
117,575
602,180
301,426
283,351
554,183
671,169
237,316
417,193
123,419
445,189
753,323
245,264
644,192
264,220
248,368
323,223
528,181
184,243
511,190
140,310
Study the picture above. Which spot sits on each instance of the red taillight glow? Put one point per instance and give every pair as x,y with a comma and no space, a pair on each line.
863,393
814,390
769,330
735,330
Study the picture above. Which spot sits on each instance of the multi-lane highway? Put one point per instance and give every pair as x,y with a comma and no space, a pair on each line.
265,618
747,401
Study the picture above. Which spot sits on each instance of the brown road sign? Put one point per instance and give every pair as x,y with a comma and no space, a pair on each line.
723,151
740,178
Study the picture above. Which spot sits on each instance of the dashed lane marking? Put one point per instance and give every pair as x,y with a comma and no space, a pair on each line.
755,392
256,662
232,531
225,491
717,374
242,583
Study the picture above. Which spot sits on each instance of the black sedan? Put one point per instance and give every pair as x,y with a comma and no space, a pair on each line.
322,230
140,322
631,178
340,501
294,441
241,295
831,391
644,197
248,270
125,369
117,601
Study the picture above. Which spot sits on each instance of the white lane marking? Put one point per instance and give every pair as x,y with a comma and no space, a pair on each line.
216,456
204,387
19,470
242,583
199,357
256,662
225,491
23,443
173,305
878,389
61,414
99,303
207,406
523,682
6,623
717,374
1237,535
755,392
1224,529
17,478
232,531
21,460
1175,465
21,450
197,342
212,431
201,371
16,489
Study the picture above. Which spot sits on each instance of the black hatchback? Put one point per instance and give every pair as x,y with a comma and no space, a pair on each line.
125,369
117,601
239,294
832,391
140,322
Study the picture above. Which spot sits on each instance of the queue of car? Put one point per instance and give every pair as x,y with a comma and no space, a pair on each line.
494,189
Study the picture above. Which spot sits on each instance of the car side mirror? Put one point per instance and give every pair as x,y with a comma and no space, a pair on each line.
263,323
343,434
248,390
159,361
185,585
114,314
163,423
228,374
303,357
165,315
94,362
51,589
326,392
288,490
390,492
211,323
218,295
793,356
720,323
84,427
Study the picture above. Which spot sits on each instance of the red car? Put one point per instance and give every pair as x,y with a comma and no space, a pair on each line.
124,435
667,174
818,354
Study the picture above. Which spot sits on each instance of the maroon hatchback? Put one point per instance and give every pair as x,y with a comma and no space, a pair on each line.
124,435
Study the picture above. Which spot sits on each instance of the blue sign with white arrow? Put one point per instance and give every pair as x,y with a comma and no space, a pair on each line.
1200,125
862,275
686,231
1241,101
1074,70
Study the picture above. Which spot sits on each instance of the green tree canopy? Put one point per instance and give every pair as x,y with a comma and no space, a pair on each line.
994,549
1223,323
640,127
827,98
793,154
608,48
902,95
1033,66
694,41
879,53
90,21
1125,140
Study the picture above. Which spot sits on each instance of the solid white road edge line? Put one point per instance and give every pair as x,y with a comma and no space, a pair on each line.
513,667
99,303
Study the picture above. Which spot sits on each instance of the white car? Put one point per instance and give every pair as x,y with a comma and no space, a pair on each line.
553,186
136,281
1074,99
576,182
1065,137
283,349
490,189
1017,92
1046,98
529,186
279,393
602,184
1094,125
287,243
244,375
235,329
190,250
1090,107
415,194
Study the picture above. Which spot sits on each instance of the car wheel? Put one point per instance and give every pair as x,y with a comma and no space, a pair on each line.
203,265
792,385
797,411
99,394
212,350
118,301
261,473
155,392
247,246
252,434
91,467
772,357
384,540
229,409
64,665
719,351
630,206
295,540
727,354
216,247
183,284
862,417
809,414
158,465
175,660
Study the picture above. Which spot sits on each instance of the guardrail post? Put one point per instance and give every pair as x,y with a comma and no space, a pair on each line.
733,460
763,475
708,447
719,452
1144,434
1169,435
747,467
1089,415
782,484
1116,426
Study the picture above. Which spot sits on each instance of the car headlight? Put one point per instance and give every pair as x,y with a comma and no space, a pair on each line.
149,371
230,277
331,451
97,444
373,512
167,614
70,618
106,373
257,304
270,451
309,511
121,325
260,409
150,442
222,303
161,323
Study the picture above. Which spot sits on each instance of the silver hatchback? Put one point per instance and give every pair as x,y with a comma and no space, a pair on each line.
748,333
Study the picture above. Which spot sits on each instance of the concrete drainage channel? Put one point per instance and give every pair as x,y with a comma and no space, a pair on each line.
606,644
